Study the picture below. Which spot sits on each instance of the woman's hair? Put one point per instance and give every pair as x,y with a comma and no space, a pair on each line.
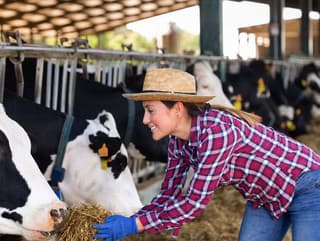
192,109
196,109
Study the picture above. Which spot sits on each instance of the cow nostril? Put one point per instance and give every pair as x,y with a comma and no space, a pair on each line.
54,213
63,212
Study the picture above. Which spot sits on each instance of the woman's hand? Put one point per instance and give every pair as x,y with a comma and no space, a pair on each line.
115,227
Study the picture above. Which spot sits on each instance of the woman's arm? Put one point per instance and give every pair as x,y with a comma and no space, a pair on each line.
173,182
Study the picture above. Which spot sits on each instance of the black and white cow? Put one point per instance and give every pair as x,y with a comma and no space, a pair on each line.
249,84
28,206
90,99
303,94
95,159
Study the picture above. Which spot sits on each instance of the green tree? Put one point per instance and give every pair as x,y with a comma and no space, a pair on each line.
115,38
190,42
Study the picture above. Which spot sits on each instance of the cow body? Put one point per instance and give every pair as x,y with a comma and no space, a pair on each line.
85,181
28,206
251,84
301,94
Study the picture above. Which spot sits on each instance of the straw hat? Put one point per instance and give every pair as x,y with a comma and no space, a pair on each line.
169,85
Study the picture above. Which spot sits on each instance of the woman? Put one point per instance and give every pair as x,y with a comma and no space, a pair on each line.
276,174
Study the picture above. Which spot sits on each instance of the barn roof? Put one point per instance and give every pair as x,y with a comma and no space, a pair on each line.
80,17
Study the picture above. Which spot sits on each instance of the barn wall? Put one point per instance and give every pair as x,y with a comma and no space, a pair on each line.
292,37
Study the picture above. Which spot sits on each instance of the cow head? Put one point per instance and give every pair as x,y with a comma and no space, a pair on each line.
107,144
28,206
309,78
96,168
209,84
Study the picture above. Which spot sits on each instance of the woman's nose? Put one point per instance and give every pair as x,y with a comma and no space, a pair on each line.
145,119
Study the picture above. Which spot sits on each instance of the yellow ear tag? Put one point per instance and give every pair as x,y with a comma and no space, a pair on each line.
103,151
238,102
291,125
304,83
104,164
261,86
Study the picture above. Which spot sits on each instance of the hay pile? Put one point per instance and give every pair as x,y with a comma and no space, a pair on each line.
77,225
312,139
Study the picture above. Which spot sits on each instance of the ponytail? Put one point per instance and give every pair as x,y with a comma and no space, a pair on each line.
250,118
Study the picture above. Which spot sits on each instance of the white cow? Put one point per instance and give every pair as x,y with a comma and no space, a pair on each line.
28,206
315,79
88,180
209,84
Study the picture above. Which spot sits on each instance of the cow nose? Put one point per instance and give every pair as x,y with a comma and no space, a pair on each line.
58,214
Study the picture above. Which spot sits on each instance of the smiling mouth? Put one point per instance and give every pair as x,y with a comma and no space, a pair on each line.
152,128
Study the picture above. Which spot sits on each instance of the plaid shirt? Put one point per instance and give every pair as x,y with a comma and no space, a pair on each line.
261,163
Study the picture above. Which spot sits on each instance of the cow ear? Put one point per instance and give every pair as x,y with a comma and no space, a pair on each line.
5,152
114,145
103,118
118,165
94,144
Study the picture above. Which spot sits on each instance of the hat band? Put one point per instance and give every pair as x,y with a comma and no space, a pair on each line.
168,92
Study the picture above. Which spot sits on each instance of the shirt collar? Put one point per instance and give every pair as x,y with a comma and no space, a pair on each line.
194,130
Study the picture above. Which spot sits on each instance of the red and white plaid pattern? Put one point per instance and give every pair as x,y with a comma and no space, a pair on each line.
261,163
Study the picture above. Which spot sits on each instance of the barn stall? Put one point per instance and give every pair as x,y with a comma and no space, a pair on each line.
222,218
225,224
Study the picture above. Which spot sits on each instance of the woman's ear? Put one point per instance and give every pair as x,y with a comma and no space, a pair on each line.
178,108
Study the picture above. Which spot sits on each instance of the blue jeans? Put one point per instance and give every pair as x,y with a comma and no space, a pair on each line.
303,215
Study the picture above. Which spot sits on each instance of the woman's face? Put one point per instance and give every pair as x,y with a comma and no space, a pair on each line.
161,120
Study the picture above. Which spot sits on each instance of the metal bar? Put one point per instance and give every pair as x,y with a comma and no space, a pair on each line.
64,86
38,80
72,85
54,52
110,73
19,78
115,74
104,72
51,52
122,72
2,77
56,84
97,76
48,83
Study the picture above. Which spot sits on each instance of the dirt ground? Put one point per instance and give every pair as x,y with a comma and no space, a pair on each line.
220,221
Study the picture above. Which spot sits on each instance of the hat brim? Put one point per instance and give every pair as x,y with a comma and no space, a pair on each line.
168,97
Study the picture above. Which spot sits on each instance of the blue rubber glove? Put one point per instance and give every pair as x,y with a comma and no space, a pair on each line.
115,227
